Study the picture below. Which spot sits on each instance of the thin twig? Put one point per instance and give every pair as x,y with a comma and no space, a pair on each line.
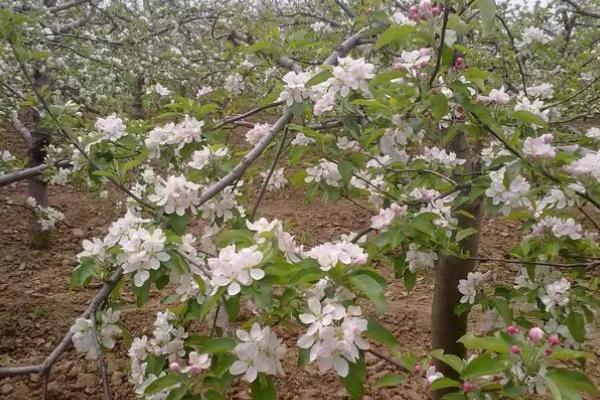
265,184
438,61
548,264
388,360
101,359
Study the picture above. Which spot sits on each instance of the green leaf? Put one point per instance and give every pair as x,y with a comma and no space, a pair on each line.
464,233
345,168
263,47
178,223
576,325
378,332
393,34
456,363
319,78
439,105
490,343
263,388
232,305
354,381
177,394
482,365
487,9
370,288
84,273
444,383
218,345
388,380
529,118
162,383
387,76
142,293
410,279
566,384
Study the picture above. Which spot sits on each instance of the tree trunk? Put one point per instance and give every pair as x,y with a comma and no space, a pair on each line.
138,90
446,326
38,189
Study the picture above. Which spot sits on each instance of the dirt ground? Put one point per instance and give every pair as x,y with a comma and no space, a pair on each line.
37,306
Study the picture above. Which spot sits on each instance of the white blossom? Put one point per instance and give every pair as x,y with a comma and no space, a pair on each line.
328,254
496,96
276,181
295,90
387,215
259,131
112,127
470,286
511,197
302,140
142,251
557,294
233,269
175,195
539,147
259,350
325,171
235,84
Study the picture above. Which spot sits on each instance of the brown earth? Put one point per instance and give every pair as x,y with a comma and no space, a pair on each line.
37,306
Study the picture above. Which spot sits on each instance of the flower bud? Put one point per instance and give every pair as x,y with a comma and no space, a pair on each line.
535,334
512,330
548,351
175,367
468,387
515,349
417,369
553,340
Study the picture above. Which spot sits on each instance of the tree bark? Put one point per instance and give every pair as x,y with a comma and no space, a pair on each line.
138,90
38,189
446,326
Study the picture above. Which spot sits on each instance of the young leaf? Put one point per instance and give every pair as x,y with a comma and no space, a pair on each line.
371,288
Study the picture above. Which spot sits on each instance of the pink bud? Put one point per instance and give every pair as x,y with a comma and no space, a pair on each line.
195,369
417,369
413,9
512,330
554,340
548,351
459,63
535,334
175,367
468,387
515,349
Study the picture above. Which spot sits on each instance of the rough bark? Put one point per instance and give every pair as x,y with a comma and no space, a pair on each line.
446,326
38,189
138,90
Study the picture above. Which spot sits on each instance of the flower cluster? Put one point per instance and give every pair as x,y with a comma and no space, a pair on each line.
329,254
559,227
176,195
325,171
470,286
539,147
259,131
334,335
259,351
48,217
276,181
111,127
177,134
234,269
511,197
142,251
387,215
201,158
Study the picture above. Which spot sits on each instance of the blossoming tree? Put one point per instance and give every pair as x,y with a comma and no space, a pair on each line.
432,115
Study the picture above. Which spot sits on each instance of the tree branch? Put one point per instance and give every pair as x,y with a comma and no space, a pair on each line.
65,343
28,173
